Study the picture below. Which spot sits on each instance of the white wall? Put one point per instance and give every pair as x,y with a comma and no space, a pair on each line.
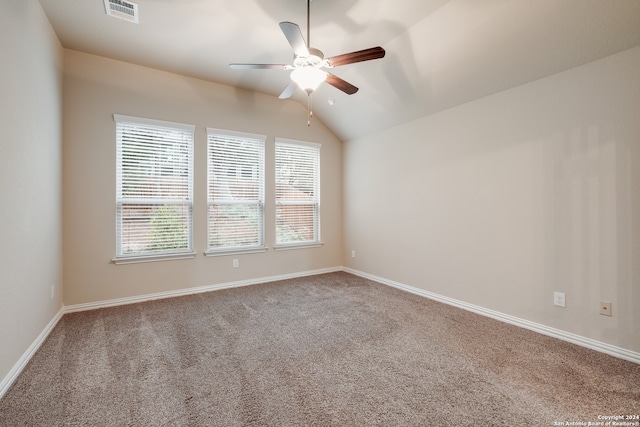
94,89
504,200
30,177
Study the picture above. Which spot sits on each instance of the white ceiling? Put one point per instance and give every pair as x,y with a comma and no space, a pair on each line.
440,53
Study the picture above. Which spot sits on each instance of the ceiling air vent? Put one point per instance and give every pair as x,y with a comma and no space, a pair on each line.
122,9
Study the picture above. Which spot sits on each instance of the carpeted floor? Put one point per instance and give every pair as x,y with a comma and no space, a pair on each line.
327,350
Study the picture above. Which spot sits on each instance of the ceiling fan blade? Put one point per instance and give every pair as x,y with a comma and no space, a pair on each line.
289,90
359,56
296,39
338,83
259,66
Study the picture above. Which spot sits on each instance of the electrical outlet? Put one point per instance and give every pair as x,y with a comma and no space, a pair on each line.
605,308
236,264
353,253
559,299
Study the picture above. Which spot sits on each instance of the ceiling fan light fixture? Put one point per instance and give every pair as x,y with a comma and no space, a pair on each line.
308,78
308,63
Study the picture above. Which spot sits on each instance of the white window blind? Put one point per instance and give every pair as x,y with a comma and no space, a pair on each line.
154,190
297,192
235,191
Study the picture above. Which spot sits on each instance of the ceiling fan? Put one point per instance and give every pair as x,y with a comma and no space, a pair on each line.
308,63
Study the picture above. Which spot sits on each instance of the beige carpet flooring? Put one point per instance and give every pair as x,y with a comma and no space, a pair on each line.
326,350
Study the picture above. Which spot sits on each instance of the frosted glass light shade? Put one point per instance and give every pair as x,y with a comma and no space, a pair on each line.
308,78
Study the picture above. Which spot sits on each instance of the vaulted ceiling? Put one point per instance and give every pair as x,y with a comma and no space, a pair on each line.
440,53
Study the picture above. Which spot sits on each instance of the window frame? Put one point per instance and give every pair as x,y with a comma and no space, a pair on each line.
147,256
240,171
316,202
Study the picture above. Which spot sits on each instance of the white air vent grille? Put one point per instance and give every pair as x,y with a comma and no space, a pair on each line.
122,9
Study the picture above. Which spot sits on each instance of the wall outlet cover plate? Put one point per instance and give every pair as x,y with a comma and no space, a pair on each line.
559,299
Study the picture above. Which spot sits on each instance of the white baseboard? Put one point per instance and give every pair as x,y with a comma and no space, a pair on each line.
536,327
191,291
8,380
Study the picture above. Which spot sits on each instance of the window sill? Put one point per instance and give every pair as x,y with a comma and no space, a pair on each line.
153,258
298,245
236,251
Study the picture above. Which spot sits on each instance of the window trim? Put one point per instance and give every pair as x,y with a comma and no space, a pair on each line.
166,256
297,245
238,250
137,259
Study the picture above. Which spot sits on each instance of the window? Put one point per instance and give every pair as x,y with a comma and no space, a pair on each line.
154,189
235,191
297,193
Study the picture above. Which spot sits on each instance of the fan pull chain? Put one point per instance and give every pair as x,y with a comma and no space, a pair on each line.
309,109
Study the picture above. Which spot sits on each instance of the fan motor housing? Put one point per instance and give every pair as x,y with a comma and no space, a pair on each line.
315,59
